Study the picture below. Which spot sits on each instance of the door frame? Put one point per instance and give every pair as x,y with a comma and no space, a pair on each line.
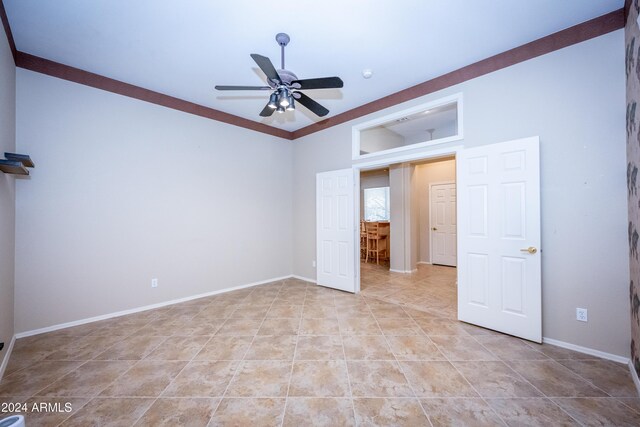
430,222
386,162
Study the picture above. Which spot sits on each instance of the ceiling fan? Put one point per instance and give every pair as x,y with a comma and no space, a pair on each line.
286,86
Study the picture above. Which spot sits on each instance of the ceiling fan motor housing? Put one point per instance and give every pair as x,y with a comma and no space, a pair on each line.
287,77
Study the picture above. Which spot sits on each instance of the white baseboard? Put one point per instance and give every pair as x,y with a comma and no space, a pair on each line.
634,376
7,355
306,279
425,262
586,350
403,271
144,308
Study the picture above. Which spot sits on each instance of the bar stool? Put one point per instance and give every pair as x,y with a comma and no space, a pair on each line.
376,244
363,240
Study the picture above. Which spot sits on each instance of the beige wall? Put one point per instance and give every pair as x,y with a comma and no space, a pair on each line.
378,139
125,191
574,99
7,194
427,174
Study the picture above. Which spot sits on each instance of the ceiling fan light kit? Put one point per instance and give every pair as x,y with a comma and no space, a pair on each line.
286,86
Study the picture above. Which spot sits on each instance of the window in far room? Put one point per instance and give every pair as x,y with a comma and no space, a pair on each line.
376,204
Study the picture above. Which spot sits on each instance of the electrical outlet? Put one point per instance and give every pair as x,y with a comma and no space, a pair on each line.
581,314
313,263
154,283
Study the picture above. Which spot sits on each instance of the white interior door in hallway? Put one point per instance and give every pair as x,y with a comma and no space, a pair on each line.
499,265
335,229
442,219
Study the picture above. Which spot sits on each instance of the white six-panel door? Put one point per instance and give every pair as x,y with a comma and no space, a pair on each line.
335,230
499,266
442,206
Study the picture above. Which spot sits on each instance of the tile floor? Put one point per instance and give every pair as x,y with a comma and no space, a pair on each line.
292,354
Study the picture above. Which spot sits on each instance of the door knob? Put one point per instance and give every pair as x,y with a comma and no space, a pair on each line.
433,228
530,249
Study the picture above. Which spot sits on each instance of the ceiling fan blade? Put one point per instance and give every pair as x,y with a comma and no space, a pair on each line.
312,105
267,111
242,87
321,83
267,67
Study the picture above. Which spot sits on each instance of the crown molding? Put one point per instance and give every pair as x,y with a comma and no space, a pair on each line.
578,33
7,30
76,75
570,36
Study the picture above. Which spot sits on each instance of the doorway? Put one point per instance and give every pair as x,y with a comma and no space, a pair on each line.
411,277
498,257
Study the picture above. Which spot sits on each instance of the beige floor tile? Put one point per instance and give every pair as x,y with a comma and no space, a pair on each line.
599,411
378,379
277,347
132,348
559,353
460,412
391,311
202,379
418,314
216,312
495,379
84,348
313,311
179,348
457,347
534,412
475,331
358,311
261,378
239,327
436,379
179,412
389,412
251,312
16,364
611,377
202,327
440,326
109,412
416,347
163,327
327,412
319,327
322,347
285,326
510,348
403,326
31,349
631,402
323,378
147,378
285,311
27,382
359,326
554,380
225,348
88,380
255,412
367,347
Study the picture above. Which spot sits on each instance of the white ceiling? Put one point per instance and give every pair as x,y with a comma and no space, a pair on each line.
184,48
